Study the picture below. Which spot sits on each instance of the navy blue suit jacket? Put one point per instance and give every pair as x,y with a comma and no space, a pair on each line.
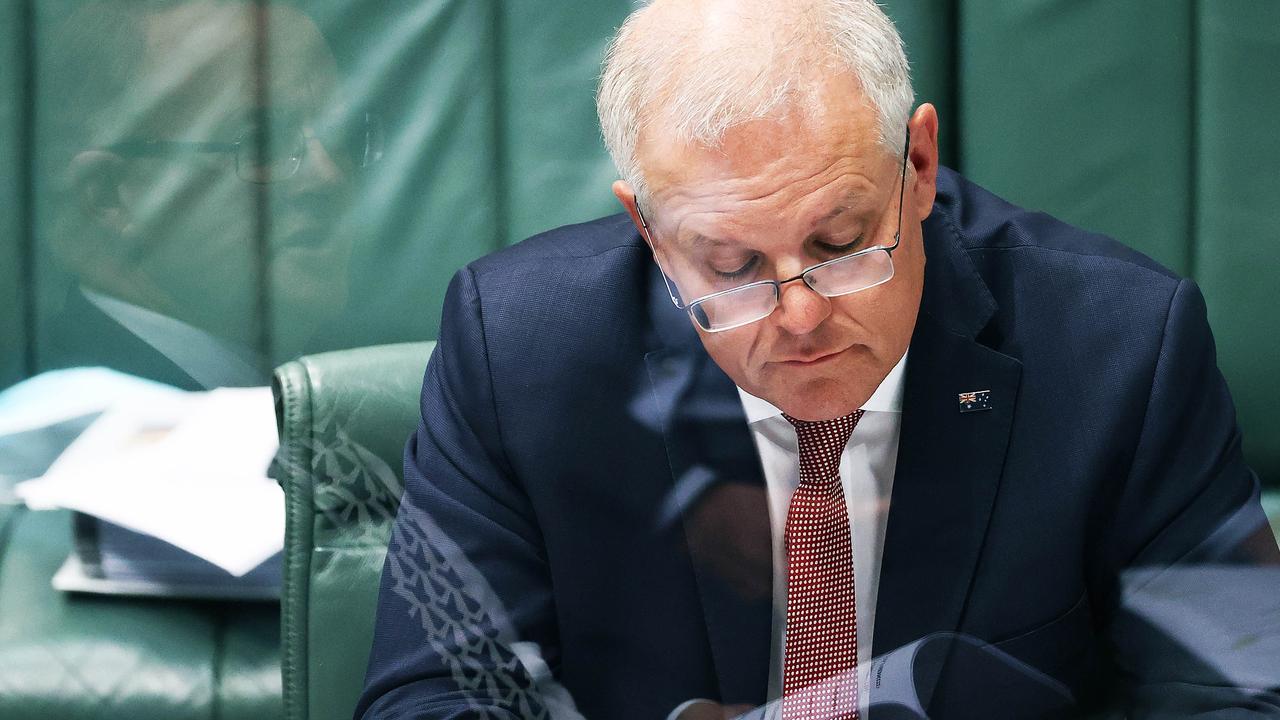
572,421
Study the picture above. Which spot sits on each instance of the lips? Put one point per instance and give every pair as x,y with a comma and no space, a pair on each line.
812,359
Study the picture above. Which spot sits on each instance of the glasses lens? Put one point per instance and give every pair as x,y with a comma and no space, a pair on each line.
374,141
851,274
263,159
736,307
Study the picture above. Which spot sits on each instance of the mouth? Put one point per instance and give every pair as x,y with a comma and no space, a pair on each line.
812,360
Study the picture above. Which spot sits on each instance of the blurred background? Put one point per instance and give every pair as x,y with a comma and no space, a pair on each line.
197,191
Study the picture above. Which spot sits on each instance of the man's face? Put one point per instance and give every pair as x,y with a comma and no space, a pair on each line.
778,197
185,222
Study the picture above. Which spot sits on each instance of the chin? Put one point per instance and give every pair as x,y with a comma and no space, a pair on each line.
817,393
818,408
821,399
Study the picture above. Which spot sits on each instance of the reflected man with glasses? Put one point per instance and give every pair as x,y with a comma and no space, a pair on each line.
200,162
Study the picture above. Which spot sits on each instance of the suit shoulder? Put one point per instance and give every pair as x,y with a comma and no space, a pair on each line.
579,241
987,225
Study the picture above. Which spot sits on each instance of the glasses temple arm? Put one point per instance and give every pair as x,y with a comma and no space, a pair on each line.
902,190
652,248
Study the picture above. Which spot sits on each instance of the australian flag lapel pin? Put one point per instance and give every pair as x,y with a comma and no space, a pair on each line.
975,401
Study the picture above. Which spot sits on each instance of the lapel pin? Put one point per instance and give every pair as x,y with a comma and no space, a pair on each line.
975,401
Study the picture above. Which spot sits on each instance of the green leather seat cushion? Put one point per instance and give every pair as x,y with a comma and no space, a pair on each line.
79,656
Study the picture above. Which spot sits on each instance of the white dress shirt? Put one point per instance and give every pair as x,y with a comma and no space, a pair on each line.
866,472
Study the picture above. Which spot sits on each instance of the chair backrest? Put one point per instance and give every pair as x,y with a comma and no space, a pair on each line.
343,419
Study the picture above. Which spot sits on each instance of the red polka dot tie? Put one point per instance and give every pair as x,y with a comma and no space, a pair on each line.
819,677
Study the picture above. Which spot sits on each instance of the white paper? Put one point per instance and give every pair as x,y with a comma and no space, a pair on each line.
59,395
189,469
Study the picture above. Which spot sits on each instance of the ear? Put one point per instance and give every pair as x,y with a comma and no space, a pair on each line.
96,177
627,196
923,157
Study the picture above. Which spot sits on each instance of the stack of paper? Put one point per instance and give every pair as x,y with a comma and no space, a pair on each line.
188,469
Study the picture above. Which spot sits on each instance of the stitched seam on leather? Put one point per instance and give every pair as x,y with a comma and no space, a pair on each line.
215,668
290,397
297,543
302,601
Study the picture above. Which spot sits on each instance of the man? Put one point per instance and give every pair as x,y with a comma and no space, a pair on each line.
818,429
173,146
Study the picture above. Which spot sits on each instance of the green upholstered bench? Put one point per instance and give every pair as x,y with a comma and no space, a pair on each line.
67,657
343,418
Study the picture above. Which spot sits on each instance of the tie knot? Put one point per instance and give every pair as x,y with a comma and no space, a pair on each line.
821,442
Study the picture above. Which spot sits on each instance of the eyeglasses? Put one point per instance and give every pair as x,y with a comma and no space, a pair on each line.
269,156
743,305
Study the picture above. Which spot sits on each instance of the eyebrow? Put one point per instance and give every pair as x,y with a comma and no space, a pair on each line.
851,202
698,240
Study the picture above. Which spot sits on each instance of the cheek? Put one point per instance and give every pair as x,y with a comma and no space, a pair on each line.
734,351
896,309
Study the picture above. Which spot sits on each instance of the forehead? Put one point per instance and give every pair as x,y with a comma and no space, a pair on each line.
176,89
830,154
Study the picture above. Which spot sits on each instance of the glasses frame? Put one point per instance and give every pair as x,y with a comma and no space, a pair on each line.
804,275
370,154
238,149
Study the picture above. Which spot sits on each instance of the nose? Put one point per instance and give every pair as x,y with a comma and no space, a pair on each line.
319,172
800,309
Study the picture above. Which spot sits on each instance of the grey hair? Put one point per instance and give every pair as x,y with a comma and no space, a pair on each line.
698,89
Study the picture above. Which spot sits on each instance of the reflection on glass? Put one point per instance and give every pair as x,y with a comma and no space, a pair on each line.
205,162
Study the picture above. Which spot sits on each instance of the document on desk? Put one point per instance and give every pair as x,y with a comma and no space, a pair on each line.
187,468
57,396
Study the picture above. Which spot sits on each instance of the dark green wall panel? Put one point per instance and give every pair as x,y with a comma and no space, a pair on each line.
383,240
1237,259
13,284
555,169
928,29
1083,108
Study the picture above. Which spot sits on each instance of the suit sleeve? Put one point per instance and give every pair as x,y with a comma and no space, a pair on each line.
1194,562
465,623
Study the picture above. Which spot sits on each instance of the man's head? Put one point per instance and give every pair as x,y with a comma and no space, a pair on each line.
166,107
759,139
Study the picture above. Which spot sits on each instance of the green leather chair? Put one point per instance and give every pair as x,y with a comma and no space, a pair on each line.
343,419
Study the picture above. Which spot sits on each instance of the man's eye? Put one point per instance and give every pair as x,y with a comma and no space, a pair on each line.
840,248
731,274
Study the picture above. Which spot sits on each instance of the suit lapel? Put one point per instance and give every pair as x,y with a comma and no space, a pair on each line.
948,472
709,448
949,462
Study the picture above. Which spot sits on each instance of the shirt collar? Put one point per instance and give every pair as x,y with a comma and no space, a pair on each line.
886,398
209,360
